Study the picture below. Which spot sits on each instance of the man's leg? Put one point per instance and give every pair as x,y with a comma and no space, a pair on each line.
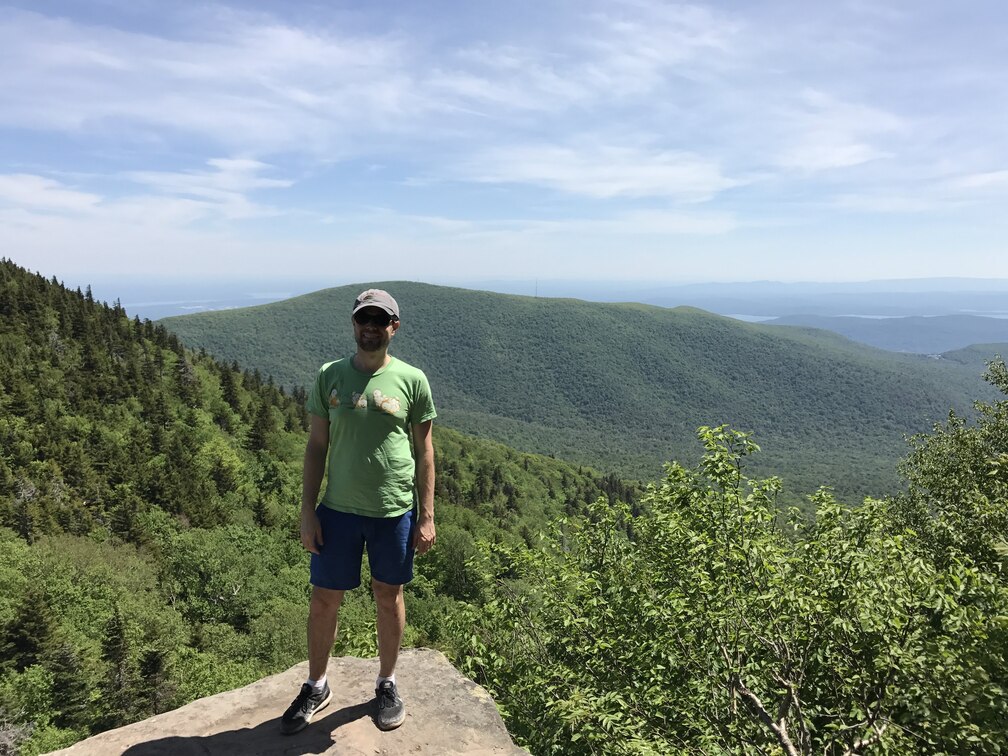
337,565
323,620
323,617
391,559
391,624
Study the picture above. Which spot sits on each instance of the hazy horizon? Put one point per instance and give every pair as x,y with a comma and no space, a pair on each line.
747,300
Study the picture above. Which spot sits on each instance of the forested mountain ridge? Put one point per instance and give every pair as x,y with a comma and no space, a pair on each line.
623,386
148,519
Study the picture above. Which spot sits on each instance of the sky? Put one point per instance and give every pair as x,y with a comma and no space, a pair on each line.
456,141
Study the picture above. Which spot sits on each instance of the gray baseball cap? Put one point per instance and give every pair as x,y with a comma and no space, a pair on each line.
376,298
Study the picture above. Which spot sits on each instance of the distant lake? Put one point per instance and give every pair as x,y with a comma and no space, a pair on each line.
750,318
166,309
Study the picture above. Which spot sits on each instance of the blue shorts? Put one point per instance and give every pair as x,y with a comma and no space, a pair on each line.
389,542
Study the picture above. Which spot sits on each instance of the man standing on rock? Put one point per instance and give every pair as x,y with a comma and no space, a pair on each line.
364,411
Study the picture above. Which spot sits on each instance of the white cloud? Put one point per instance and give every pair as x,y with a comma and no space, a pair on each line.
230,176
996,180
825,133
223,189
254,83
179,198
246,84
602,171
890,203
618,53
40,193
656,222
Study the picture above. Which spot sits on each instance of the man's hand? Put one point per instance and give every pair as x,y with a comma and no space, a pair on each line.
423,535
311,531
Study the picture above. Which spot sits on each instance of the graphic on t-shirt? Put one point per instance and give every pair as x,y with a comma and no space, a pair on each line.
334,398
359,400
388,404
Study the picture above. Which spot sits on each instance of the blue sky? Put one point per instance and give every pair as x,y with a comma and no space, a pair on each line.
455,141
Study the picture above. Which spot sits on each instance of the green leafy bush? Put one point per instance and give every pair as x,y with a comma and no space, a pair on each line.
713,622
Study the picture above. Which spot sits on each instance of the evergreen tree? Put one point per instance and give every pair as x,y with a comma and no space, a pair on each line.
229,389
27,636
119,687
187,385
262,427
261,511
156,689
70,688
23,510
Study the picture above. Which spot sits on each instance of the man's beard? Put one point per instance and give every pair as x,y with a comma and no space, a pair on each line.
372,342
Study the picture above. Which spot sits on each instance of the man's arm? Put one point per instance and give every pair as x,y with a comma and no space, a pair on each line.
423,444
311,481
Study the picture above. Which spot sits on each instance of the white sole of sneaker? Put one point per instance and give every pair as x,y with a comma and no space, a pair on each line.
321,706
391,725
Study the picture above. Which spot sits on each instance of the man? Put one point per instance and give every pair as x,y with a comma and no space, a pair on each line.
364,410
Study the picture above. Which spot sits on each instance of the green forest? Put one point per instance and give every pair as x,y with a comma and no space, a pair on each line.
149,556
623,387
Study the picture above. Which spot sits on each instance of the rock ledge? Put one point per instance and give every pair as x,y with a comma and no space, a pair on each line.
445,714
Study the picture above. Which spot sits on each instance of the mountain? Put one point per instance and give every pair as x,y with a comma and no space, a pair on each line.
622,386
920,334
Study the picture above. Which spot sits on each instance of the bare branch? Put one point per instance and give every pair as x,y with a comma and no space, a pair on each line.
779,728
804,737
859,745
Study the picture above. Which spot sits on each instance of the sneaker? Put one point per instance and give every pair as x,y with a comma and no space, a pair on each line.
303,708
391,709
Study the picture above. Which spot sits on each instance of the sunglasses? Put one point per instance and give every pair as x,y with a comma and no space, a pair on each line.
379,318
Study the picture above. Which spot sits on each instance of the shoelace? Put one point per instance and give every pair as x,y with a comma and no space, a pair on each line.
386,695
303,698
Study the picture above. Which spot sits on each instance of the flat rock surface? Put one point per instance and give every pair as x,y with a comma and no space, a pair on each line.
445,714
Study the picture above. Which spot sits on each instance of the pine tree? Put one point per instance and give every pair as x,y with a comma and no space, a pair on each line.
262,427
24,498
188,385
261,511
229,389
120,680
70,687
156,689
27,636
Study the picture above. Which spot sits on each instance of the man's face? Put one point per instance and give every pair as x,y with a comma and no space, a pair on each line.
369,333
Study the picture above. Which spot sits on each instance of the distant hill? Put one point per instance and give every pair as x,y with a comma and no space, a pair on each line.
622,386
923,335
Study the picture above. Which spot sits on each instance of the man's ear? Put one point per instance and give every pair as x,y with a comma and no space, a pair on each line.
395,326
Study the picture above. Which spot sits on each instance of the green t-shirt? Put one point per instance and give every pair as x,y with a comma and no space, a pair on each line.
371,468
